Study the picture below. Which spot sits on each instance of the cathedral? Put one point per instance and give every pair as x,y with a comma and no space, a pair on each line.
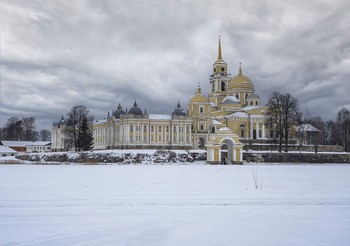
230,114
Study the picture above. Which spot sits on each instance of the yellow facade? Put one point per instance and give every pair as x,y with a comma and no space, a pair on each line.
231,106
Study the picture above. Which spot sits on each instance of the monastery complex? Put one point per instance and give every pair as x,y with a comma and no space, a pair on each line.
230,114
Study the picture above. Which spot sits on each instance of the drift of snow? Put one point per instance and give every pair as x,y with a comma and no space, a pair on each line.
174,205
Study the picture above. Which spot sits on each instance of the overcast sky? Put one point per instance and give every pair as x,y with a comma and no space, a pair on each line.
58,54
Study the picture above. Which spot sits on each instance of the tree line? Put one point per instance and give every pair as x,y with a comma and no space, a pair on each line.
23,129
283,115
77,130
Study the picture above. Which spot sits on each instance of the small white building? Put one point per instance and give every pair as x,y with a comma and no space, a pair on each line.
38,146
307,134
7,151
29,146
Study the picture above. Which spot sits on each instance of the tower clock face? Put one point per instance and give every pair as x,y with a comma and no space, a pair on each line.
222,69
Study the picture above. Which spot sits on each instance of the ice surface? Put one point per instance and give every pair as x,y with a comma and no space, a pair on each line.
174,205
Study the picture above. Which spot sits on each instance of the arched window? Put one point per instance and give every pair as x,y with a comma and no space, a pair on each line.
256,103
251,102
223,86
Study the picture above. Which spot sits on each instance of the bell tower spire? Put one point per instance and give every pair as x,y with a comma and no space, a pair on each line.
219,51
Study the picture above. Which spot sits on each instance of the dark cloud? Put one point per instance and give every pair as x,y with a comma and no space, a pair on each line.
57,54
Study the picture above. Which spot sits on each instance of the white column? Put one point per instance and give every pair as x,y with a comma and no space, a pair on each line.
251,130
257,130
263,130
234,153
134,132
241,155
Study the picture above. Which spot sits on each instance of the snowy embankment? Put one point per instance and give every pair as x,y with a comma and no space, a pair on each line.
117,156
174,205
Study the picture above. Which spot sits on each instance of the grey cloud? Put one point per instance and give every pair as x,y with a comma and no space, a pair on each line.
58,54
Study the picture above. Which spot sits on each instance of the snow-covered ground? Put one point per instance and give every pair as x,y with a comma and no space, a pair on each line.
193,204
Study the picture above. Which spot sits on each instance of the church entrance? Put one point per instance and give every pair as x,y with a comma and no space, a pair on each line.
227,151
201,143
224,148
254,134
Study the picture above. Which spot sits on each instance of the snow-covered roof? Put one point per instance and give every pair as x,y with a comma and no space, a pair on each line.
25,143
215,122
239,114
100,121
251,107
5,149
213,105
230,100
224,129
159,117
307,128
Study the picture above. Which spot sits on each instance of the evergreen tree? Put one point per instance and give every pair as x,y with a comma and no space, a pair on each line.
85,138
74,125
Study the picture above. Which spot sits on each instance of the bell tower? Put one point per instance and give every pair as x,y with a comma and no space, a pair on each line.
218,80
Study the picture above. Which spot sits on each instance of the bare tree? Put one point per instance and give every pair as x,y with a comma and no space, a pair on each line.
12,129
274,117
332,133
45,135
29,133
343,125
283,115
291,117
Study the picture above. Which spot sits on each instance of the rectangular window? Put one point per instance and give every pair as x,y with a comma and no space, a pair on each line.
144,128
152,129
201,109
202,127
186,128
174,139
159,138
144,139
174,128
131,128
167,128
159,129
167,138
152,138
130,138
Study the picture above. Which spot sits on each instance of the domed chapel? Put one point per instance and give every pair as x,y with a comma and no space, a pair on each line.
231,113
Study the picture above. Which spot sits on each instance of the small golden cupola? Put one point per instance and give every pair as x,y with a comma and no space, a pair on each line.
198,96
241,86
220,66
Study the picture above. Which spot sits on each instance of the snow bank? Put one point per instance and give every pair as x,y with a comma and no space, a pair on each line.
117,156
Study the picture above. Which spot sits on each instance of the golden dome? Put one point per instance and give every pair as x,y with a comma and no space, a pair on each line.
240,81
199,98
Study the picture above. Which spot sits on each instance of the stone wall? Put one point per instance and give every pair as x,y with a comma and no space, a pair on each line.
297,157
307,148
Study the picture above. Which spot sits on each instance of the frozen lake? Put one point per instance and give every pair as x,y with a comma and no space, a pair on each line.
174,205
